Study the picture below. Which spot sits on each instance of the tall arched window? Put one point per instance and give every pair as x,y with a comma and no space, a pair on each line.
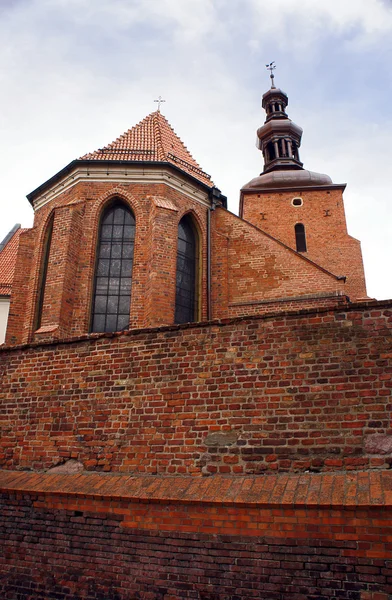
300,237
187,272
43,273
113,270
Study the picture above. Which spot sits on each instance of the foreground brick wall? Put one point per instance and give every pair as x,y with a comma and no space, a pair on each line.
296,391
149,538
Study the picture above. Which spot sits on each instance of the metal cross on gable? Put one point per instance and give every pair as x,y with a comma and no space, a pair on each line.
160,100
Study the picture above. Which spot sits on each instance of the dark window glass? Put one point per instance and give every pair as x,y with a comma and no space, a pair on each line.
43,274
186,276
271,151
300,237
113,271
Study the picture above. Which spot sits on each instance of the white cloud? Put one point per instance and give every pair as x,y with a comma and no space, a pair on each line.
302,22
189,19
76,73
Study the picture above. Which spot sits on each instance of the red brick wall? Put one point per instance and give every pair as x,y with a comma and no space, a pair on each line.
250,267
60,288
299,391
67,303
21,316
120,538
328,242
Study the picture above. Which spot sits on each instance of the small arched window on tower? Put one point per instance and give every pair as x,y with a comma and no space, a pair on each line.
43,273
187,272
113,270
300,237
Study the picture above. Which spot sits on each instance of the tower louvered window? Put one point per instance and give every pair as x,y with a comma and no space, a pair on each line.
187,270
113,271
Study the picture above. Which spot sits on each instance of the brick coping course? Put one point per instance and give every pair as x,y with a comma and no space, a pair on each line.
357,489
350,307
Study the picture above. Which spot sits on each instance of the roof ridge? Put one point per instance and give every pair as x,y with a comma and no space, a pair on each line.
8,256
196,164
157,130
9,236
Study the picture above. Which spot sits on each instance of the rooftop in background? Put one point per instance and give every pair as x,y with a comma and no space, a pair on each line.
8,252
153,139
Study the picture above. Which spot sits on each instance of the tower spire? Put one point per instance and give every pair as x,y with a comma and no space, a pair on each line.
271,67
279,138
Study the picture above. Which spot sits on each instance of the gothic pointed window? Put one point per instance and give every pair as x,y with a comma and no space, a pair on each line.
300,237
113,270
187,272
43,273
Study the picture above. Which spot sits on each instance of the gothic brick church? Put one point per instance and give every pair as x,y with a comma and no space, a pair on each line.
136,235
194,404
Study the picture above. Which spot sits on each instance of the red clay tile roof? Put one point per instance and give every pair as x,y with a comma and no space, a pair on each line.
153,139
7,263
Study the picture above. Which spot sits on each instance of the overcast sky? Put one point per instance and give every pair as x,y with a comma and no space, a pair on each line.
77,73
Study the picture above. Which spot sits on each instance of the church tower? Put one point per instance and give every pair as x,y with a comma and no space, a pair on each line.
300,208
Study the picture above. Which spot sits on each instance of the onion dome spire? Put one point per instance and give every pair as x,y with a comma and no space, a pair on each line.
279,138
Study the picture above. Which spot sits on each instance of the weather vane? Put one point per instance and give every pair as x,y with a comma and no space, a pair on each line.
160,100
271,67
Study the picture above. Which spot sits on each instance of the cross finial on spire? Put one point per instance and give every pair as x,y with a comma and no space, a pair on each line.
160,100
271,67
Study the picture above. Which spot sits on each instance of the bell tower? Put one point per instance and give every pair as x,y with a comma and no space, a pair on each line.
302,209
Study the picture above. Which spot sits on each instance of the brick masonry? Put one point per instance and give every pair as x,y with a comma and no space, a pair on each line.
322,214
70,275
252,268
249,266
193,444
307,390
275,537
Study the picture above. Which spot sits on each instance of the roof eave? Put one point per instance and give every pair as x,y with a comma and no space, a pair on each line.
86,162
275,188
